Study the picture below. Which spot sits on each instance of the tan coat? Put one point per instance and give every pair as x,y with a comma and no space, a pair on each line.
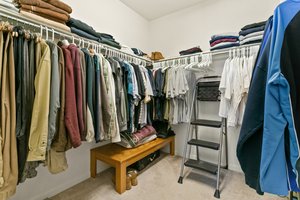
8,120
39,120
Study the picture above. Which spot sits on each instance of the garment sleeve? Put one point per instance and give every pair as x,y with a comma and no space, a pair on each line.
277,117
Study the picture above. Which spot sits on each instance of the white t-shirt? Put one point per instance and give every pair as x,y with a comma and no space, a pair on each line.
224,103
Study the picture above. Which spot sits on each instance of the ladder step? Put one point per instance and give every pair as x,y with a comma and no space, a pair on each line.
208,123
205,144
202,165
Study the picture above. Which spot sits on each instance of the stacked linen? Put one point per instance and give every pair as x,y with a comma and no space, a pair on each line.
190,51
84,30
252,33
8,4
225,40
142,136
138,52
54,10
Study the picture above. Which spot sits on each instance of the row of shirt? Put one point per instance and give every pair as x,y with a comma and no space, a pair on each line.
173,99
234,85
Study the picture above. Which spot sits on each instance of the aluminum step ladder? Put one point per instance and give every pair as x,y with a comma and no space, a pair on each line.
192,139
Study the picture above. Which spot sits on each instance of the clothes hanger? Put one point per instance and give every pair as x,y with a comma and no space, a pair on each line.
192,64
47,35
65,41
53,35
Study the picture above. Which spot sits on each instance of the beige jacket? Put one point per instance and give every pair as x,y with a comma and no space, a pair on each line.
39,120
8,120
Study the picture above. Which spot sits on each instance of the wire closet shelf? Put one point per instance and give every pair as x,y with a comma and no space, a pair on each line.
7,15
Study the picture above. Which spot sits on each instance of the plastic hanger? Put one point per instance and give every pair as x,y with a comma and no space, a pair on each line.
47,35
53,35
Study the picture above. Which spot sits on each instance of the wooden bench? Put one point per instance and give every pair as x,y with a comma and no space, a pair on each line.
120,157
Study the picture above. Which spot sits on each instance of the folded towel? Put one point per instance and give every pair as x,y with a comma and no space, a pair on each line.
90,30
250,39
60,5
190,51
126,49
49,17
225,45
223,37
43,11
42,4
252,30
251,35
92,37
45,21
222,40
254,25
138,52
8,5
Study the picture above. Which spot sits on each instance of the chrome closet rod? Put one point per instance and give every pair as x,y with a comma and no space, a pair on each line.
216,52
16,17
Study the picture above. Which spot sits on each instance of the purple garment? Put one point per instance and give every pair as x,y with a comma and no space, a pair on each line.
223,40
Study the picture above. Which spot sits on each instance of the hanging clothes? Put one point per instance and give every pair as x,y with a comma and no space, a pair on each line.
250,140
55,96
71,117
54,93
280,153
77,87
39,121
8,158
90,77
234,85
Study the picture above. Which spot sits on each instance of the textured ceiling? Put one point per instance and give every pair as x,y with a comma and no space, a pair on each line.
153,9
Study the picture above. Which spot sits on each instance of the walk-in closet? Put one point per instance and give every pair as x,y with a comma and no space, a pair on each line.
143,100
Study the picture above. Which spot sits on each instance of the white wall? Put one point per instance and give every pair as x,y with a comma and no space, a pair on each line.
194,26
113,17
110,16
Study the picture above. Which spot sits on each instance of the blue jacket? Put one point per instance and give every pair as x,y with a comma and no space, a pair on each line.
280,147
250,140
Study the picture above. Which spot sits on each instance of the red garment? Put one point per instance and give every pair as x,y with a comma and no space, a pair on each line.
71,118
146,131
222,40
78,87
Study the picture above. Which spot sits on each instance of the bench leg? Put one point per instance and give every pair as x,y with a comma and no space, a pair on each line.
93,165
121,178
172,147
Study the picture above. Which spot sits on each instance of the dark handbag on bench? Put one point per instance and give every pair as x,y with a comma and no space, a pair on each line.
143,163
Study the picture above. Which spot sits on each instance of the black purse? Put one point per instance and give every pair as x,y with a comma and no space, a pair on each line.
208,89
143,163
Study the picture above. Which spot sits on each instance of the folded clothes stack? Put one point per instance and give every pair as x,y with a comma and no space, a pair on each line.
190,51
54,10
138,52
223,41
8,4
126,49
82,29
252,33
142,136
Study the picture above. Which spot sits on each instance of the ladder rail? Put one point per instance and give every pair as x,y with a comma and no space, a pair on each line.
226,142
217,192
187,138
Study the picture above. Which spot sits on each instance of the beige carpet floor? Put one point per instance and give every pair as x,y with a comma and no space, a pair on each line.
159,182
